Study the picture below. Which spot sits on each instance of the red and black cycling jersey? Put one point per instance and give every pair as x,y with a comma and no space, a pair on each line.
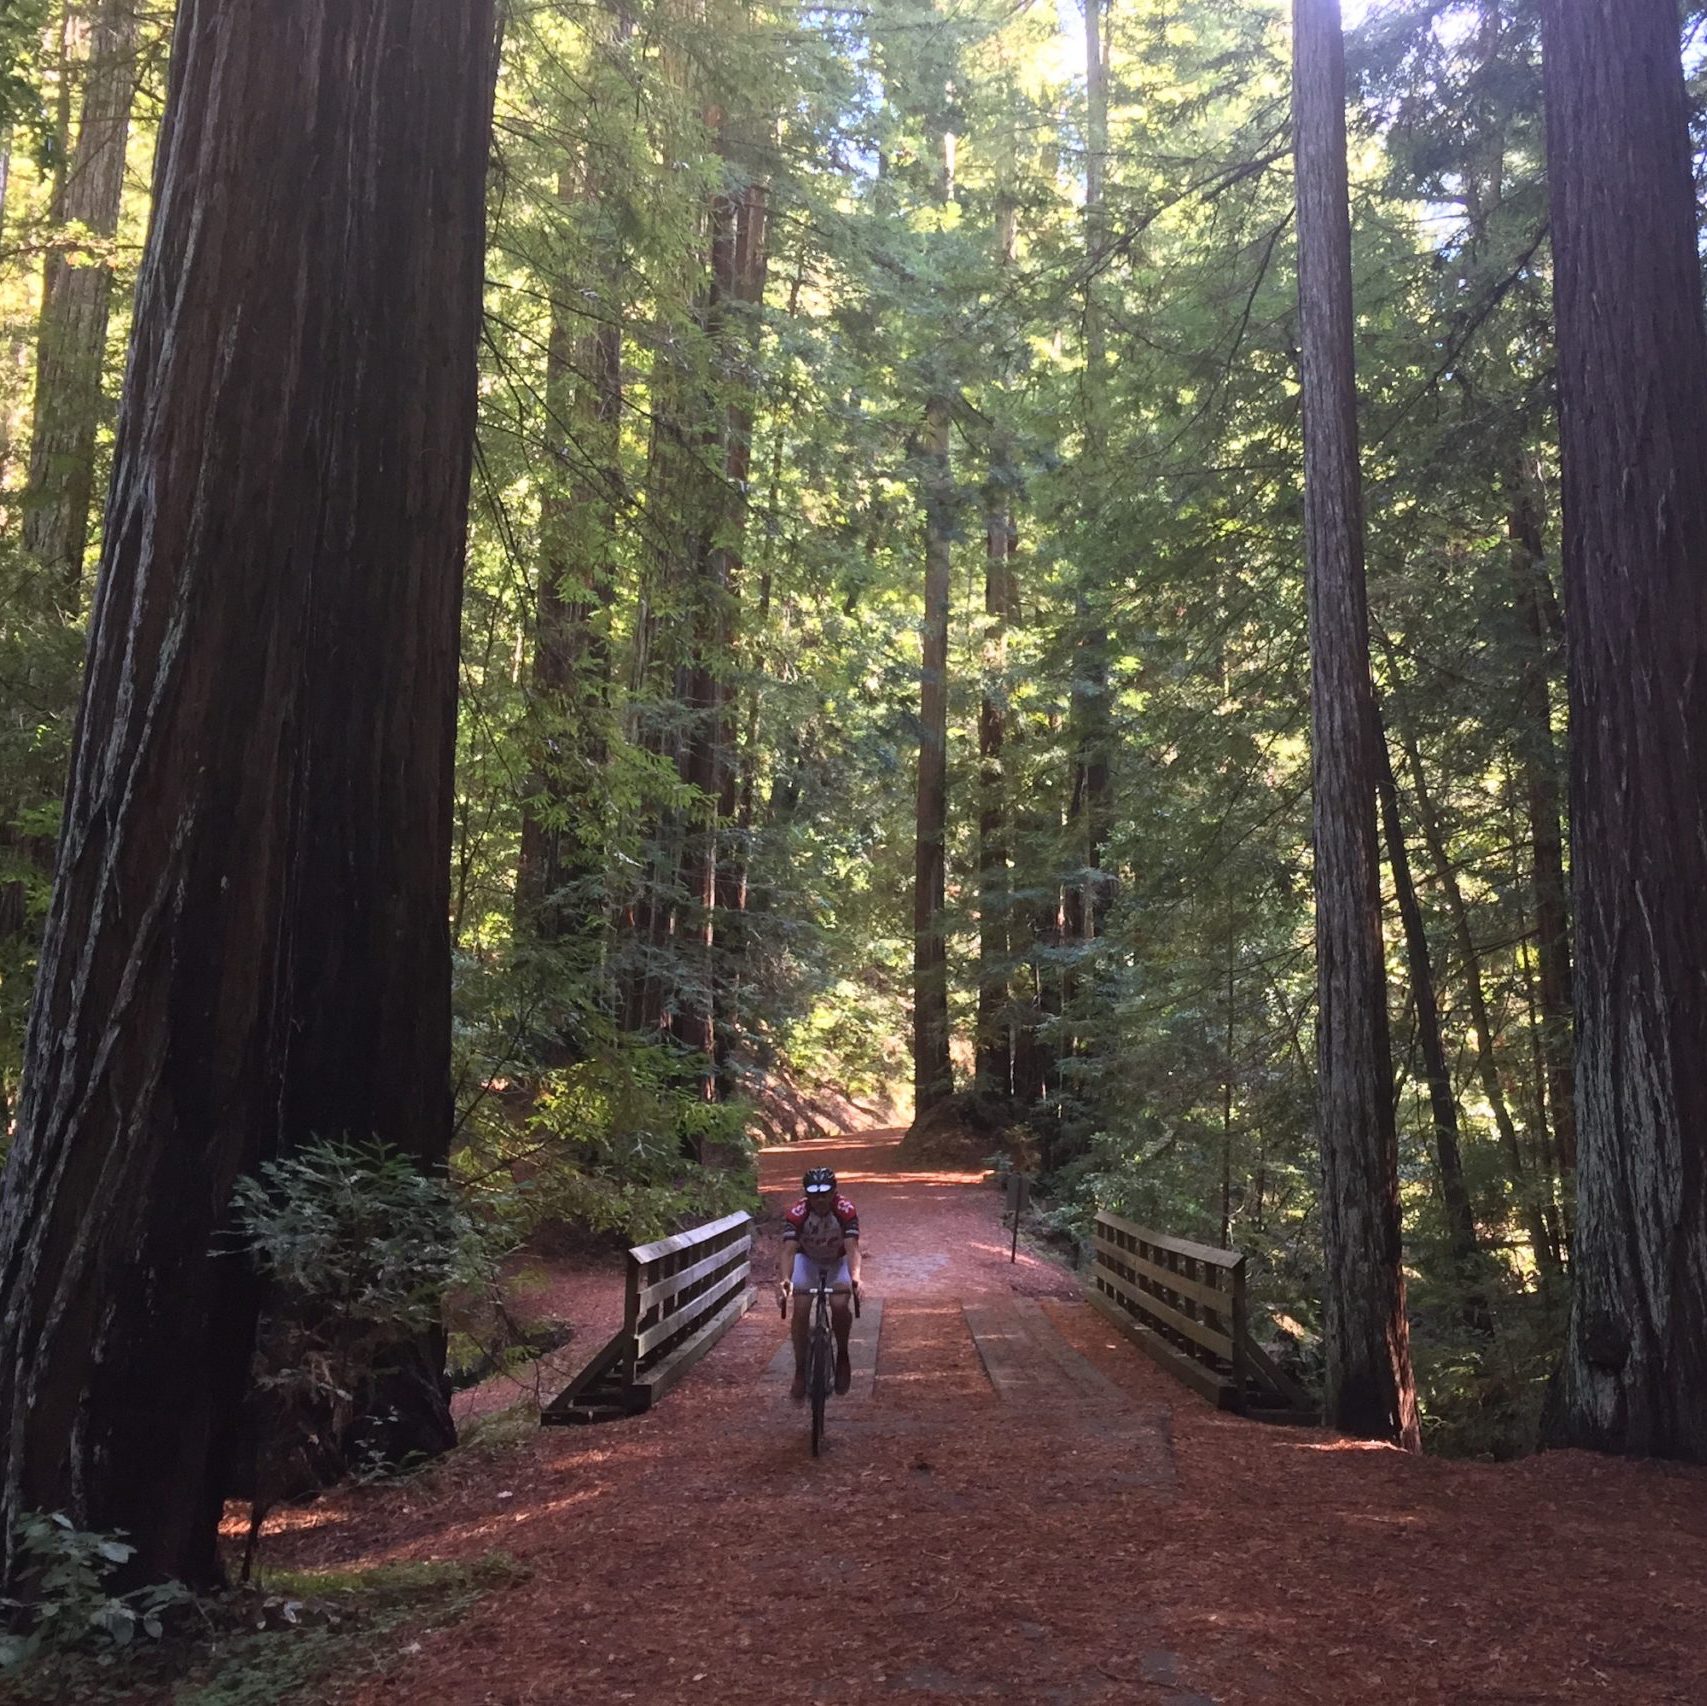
822,1233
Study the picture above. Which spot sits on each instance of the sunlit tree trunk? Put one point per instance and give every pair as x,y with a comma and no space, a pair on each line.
248,944
1632,376
1369,1384
1090,806
77,295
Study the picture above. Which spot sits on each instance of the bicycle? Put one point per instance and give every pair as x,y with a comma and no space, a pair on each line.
820,1351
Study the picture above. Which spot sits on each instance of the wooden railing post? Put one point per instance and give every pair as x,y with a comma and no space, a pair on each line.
1241,1373
631,1317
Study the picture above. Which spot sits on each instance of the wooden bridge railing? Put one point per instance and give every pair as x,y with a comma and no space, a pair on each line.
682,1295
1184,1305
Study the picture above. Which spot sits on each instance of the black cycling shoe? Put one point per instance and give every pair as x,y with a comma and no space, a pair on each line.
844,1375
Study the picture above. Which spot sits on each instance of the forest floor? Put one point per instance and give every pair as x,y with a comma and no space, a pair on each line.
1076,1529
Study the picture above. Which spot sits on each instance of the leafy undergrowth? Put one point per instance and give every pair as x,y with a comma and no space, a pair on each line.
304,1635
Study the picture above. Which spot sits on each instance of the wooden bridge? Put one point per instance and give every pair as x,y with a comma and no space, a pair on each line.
682,1294
1183,1304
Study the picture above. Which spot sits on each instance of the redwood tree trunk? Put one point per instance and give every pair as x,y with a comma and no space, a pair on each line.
76,299
1370,1390
1632,376
248,944
933,1076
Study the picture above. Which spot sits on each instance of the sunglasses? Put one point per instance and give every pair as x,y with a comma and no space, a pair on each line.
820,1190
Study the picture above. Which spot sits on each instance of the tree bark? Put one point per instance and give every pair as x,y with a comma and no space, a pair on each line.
1632,375
247,944
77,296
933,1075
1370,1390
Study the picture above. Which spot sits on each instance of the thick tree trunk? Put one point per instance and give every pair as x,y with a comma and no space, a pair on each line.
1369,1384
1632,376
247,944
933,1076
76,299
1443,1107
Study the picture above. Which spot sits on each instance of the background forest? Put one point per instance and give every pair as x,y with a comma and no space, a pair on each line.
826,347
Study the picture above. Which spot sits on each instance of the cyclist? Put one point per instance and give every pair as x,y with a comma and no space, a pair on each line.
821,1236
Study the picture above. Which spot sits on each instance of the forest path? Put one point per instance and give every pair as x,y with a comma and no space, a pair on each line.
1100,1539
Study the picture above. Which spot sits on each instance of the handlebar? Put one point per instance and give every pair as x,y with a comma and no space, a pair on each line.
785,1291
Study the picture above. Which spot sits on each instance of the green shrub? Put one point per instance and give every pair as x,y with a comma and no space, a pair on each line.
64,1604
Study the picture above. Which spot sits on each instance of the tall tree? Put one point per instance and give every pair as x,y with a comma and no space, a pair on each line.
994,1046
933,1070
571,662
933,1074
1087,891
248,943
1369,1384
1632,374
1443,1106
77,295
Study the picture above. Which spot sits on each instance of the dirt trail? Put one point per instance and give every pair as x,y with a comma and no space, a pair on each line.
1077,1529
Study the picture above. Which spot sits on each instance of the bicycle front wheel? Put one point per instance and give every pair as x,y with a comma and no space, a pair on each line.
818,1386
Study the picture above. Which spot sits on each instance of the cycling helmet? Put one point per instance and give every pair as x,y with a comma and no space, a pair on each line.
819,1181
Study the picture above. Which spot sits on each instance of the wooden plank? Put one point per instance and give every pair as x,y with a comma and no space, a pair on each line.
1200,1290
1080,1373
648,1339
1204,1381
671,1284
644,1253
1180,1246
653,1383
1010,1359
1163,1314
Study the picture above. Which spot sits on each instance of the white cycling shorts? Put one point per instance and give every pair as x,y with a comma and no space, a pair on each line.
805,1276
